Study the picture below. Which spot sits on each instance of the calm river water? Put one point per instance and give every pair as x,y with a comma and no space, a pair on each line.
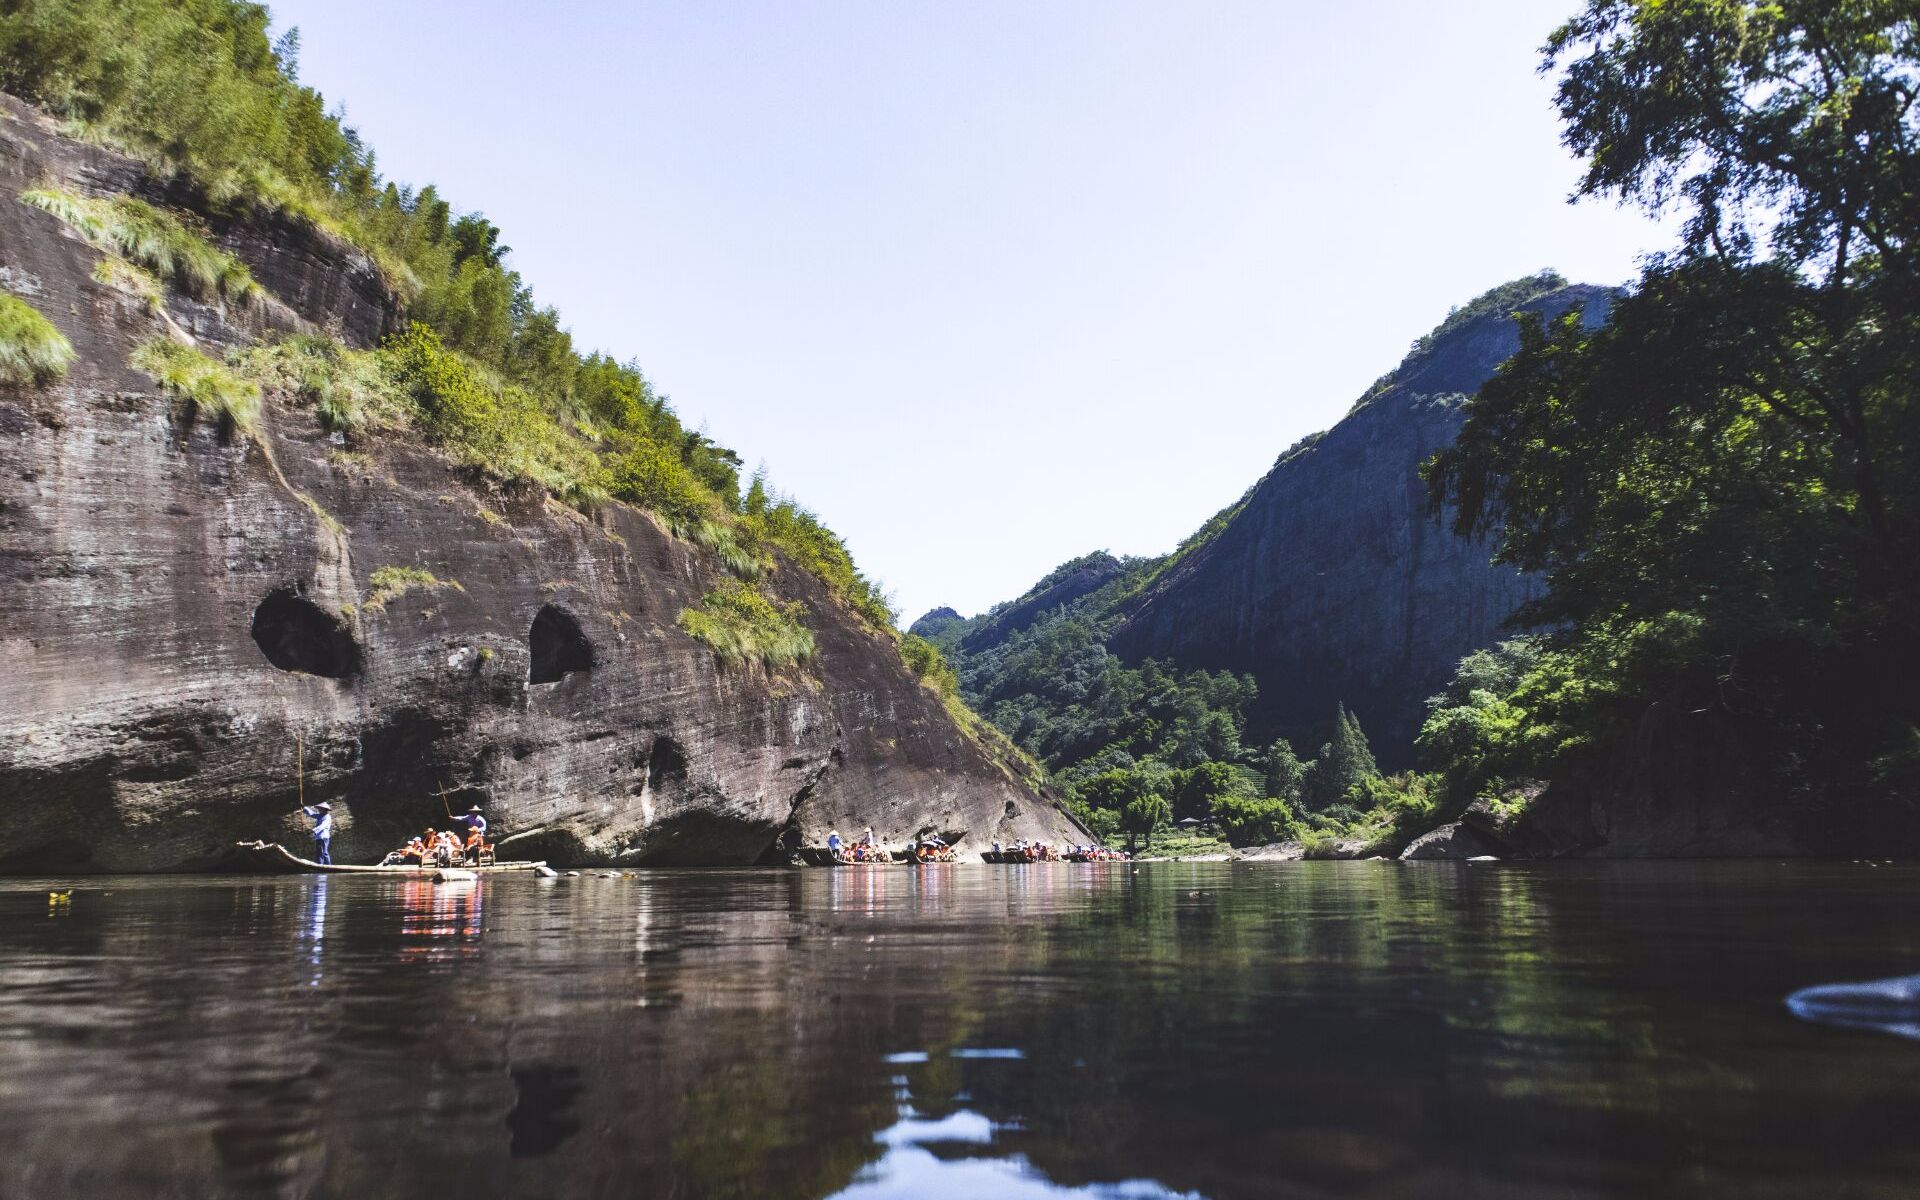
1217,1030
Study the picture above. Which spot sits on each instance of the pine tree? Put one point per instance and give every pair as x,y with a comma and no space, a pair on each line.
1285,772
1344,763
1353,740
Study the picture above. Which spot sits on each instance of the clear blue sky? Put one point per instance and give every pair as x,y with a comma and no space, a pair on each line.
989,284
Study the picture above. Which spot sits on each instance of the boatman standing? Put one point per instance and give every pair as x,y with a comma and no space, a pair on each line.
474,822
321,815
833,843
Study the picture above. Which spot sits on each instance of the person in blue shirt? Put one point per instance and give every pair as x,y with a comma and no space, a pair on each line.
833,843
322,816
475,823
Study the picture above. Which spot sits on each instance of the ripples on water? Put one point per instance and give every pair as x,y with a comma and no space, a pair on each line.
1218,1030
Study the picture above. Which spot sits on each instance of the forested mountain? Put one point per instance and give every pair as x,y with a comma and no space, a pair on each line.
1706,506
1325,599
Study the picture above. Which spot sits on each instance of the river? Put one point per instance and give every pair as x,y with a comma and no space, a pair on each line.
1063,1031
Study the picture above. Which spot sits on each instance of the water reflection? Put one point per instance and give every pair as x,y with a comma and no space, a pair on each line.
1303,1030
956,1155
1886,1005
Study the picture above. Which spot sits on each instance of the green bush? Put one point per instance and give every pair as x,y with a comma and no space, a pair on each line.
741,624
490,424
350,390
207,384
1319,843
924,659
152,238
648,474
1251,821
390,583
32,351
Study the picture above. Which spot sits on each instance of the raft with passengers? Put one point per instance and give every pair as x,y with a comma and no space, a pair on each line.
430,853
867,851
1024,851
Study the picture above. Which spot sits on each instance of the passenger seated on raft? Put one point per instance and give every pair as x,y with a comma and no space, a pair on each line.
414,853
476,842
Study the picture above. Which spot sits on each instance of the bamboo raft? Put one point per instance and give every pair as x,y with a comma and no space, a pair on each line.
272,856
820,856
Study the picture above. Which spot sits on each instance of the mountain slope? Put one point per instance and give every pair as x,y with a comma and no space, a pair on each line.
1328,582
1332,583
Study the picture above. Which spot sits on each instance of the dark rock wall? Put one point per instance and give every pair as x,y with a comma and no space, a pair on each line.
152,573
1332,584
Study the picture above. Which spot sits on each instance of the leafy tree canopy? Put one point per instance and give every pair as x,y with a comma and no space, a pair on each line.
1722,484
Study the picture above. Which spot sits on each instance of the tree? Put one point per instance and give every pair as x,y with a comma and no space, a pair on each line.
1248,821
1200,789
1286,774
1345,762
1722,483
1143,815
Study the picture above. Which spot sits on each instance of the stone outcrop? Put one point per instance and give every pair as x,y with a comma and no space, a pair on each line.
1332,583
1455,841
179,609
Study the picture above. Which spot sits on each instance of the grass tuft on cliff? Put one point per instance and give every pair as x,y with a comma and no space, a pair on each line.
207,384
32,351
350,390
152,238
122,276
391,583
742,624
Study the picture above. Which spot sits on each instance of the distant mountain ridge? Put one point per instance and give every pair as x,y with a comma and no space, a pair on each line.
1328,582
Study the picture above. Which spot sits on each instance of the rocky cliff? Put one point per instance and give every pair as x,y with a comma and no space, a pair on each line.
179,607
1331,583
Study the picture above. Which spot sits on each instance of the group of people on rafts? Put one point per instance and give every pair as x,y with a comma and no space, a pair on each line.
1025,851
866,850
438,848
444,848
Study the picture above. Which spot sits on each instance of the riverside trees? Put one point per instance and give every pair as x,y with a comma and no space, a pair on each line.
1722,484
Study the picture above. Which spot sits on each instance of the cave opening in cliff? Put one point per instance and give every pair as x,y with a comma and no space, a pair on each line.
557,646
666,766
298,635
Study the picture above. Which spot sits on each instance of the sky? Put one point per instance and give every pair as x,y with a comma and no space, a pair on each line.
989,285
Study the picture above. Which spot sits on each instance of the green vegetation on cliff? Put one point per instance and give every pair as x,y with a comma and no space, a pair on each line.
208,385
741,624
151,238
1722,485
196,89
32,351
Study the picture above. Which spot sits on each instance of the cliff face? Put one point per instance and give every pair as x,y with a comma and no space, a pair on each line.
1332,583
177,609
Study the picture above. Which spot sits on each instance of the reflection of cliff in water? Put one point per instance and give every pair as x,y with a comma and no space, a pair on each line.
1309,1030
